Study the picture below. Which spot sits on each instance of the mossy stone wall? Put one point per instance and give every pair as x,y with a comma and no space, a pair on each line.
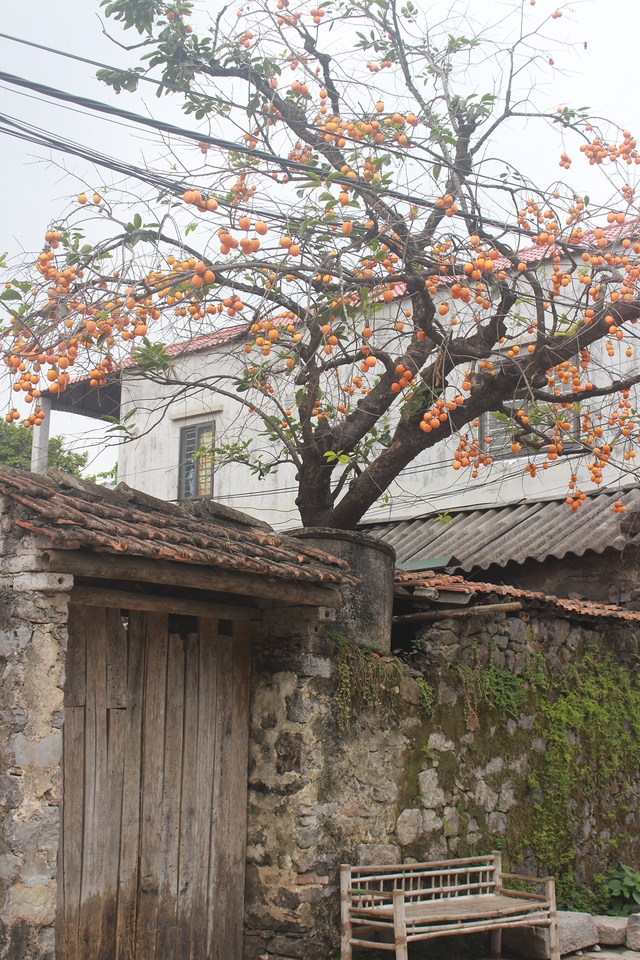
513,732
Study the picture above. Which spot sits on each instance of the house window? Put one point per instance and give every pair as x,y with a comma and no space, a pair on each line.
196,472
501,432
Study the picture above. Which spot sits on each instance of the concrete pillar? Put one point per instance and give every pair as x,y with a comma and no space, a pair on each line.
365,614
40,440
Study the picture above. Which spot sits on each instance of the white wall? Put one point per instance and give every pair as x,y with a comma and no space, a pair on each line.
150,463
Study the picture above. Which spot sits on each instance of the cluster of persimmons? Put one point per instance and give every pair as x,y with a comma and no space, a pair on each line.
80,315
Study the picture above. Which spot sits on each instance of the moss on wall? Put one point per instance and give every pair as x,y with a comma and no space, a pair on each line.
527,740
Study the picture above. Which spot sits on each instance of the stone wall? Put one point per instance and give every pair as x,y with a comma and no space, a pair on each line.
33,638
416,780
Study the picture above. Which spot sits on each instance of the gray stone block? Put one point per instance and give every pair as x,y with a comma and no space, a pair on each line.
378,854
432,795
612,931
633,932
409,827
576,931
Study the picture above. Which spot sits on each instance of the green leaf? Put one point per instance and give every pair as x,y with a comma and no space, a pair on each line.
10,295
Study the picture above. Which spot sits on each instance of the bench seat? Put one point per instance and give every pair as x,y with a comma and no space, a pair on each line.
486,906
388,907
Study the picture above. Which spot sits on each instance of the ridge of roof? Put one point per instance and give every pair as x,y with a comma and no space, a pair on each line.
458,584
74,514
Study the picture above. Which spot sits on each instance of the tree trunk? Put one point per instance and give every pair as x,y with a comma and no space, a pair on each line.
314,500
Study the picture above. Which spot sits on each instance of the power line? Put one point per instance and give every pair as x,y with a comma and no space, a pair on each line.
227,145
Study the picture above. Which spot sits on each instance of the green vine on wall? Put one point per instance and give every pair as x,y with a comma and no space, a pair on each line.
590,720
493,686
365,680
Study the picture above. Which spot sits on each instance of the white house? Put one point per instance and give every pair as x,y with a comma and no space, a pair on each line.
171,423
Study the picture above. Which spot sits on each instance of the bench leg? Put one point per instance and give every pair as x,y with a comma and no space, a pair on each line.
554,942
400,926
346,950
496,944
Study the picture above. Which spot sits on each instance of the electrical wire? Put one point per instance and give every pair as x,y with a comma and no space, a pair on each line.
228,146
166,84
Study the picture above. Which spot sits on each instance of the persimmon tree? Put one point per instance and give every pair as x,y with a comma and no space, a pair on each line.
360,205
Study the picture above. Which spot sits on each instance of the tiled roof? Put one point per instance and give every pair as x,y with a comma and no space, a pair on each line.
74,514
406,581
498,535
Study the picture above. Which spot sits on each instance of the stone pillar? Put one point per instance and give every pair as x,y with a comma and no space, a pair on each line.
33,640
318,796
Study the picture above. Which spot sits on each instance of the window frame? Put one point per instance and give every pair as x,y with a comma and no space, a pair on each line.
508,454
186,460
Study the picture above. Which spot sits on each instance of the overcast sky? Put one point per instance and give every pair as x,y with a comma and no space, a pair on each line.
35,187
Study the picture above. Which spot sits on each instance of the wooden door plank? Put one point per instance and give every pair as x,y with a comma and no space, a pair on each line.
116,729
207,712
90,926
152,785
130,835
237,786
116,660
75,665
170,814
230,796
70,863
189,801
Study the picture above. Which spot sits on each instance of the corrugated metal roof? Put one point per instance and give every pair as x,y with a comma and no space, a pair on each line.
480,538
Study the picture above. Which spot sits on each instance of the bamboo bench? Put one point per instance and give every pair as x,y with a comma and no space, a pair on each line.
420,901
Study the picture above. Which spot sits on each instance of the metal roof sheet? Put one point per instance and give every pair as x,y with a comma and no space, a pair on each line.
519,532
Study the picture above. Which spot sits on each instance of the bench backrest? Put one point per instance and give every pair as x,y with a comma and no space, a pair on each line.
374,885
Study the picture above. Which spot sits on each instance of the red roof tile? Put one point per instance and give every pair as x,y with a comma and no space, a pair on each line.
455,584
74,514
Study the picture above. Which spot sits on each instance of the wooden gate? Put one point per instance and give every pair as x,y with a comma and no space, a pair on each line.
152,851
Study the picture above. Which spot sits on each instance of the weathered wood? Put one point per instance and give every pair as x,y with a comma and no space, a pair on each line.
201,577
208,690
496,944
170,814
554,942
230,816
116,659
130,836
346,932
415,911
152,785
479,610
523,877
221,881
192,762
399,926
156,791
112,813
69,882
75,667
96,782
123,599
